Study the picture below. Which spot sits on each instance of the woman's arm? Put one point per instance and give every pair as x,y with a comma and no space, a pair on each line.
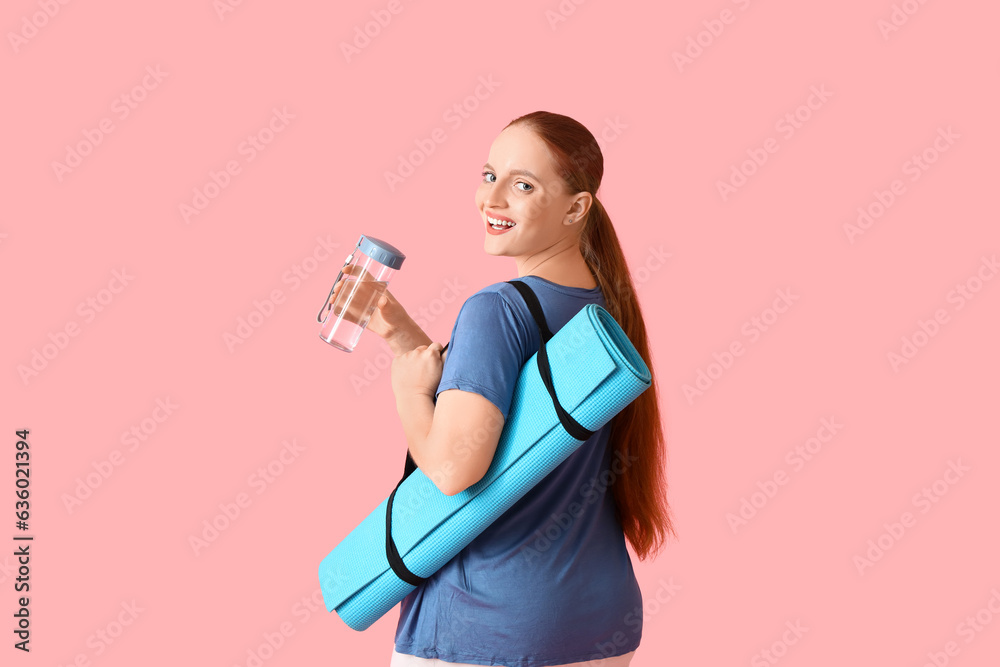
453,442
416,413
415,377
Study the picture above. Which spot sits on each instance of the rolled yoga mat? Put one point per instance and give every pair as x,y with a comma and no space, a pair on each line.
595,373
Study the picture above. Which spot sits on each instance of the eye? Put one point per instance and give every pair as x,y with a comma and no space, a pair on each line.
523,183
488,173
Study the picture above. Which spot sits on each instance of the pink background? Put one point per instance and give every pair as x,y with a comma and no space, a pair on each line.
705,264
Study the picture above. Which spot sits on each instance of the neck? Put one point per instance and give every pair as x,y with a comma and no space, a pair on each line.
564,267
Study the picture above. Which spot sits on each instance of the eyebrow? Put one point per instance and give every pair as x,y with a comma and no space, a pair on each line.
517,172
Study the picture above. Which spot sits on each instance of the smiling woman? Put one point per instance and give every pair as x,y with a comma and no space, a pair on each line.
549,582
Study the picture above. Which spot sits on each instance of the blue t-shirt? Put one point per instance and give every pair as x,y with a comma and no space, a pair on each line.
550,582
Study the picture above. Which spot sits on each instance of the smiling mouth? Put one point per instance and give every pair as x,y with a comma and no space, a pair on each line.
498,224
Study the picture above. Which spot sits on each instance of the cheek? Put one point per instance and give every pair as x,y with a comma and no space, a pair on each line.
529,213
532,212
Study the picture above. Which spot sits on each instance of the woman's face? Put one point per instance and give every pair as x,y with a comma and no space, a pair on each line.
520,185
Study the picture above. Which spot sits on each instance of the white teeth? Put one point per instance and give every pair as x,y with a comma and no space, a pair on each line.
499,222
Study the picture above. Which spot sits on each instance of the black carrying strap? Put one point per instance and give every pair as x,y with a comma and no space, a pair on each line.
391,553
572,427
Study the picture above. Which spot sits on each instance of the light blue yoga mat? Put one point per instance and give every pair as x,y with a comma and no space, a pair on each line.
596,372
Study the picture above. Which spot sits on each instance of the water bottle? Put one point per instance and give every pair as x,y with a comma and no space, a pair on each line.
366,273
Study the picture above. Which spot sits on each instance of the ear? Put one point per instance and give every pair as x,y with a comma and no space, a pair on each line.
580,207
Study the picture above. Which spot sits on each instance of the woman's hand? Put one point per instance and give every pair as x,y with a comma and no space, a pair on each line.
417,371
390,321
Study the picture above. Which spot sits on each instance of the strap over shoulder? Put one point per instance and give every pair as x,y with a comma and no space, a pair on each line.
571,425
534,306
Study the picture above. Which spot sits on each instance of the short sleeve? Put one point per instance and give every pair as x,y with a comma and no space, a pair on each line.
485,353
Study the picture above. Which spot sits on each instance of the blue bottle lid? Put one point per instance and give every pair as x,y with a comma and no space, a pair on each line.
381,251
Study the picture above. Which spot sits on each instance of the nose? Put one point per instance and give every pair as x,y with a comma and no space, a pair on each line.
490,196
491,201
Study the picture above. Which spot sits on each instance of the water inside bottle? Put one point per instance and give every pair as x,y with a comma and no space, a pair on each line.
360,298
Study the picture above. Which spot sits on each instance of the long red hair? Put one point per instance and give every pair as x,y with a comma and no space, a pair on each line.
640,491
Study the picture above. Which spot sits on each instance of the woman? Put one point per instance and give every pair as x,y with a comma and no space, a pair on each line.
550,582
